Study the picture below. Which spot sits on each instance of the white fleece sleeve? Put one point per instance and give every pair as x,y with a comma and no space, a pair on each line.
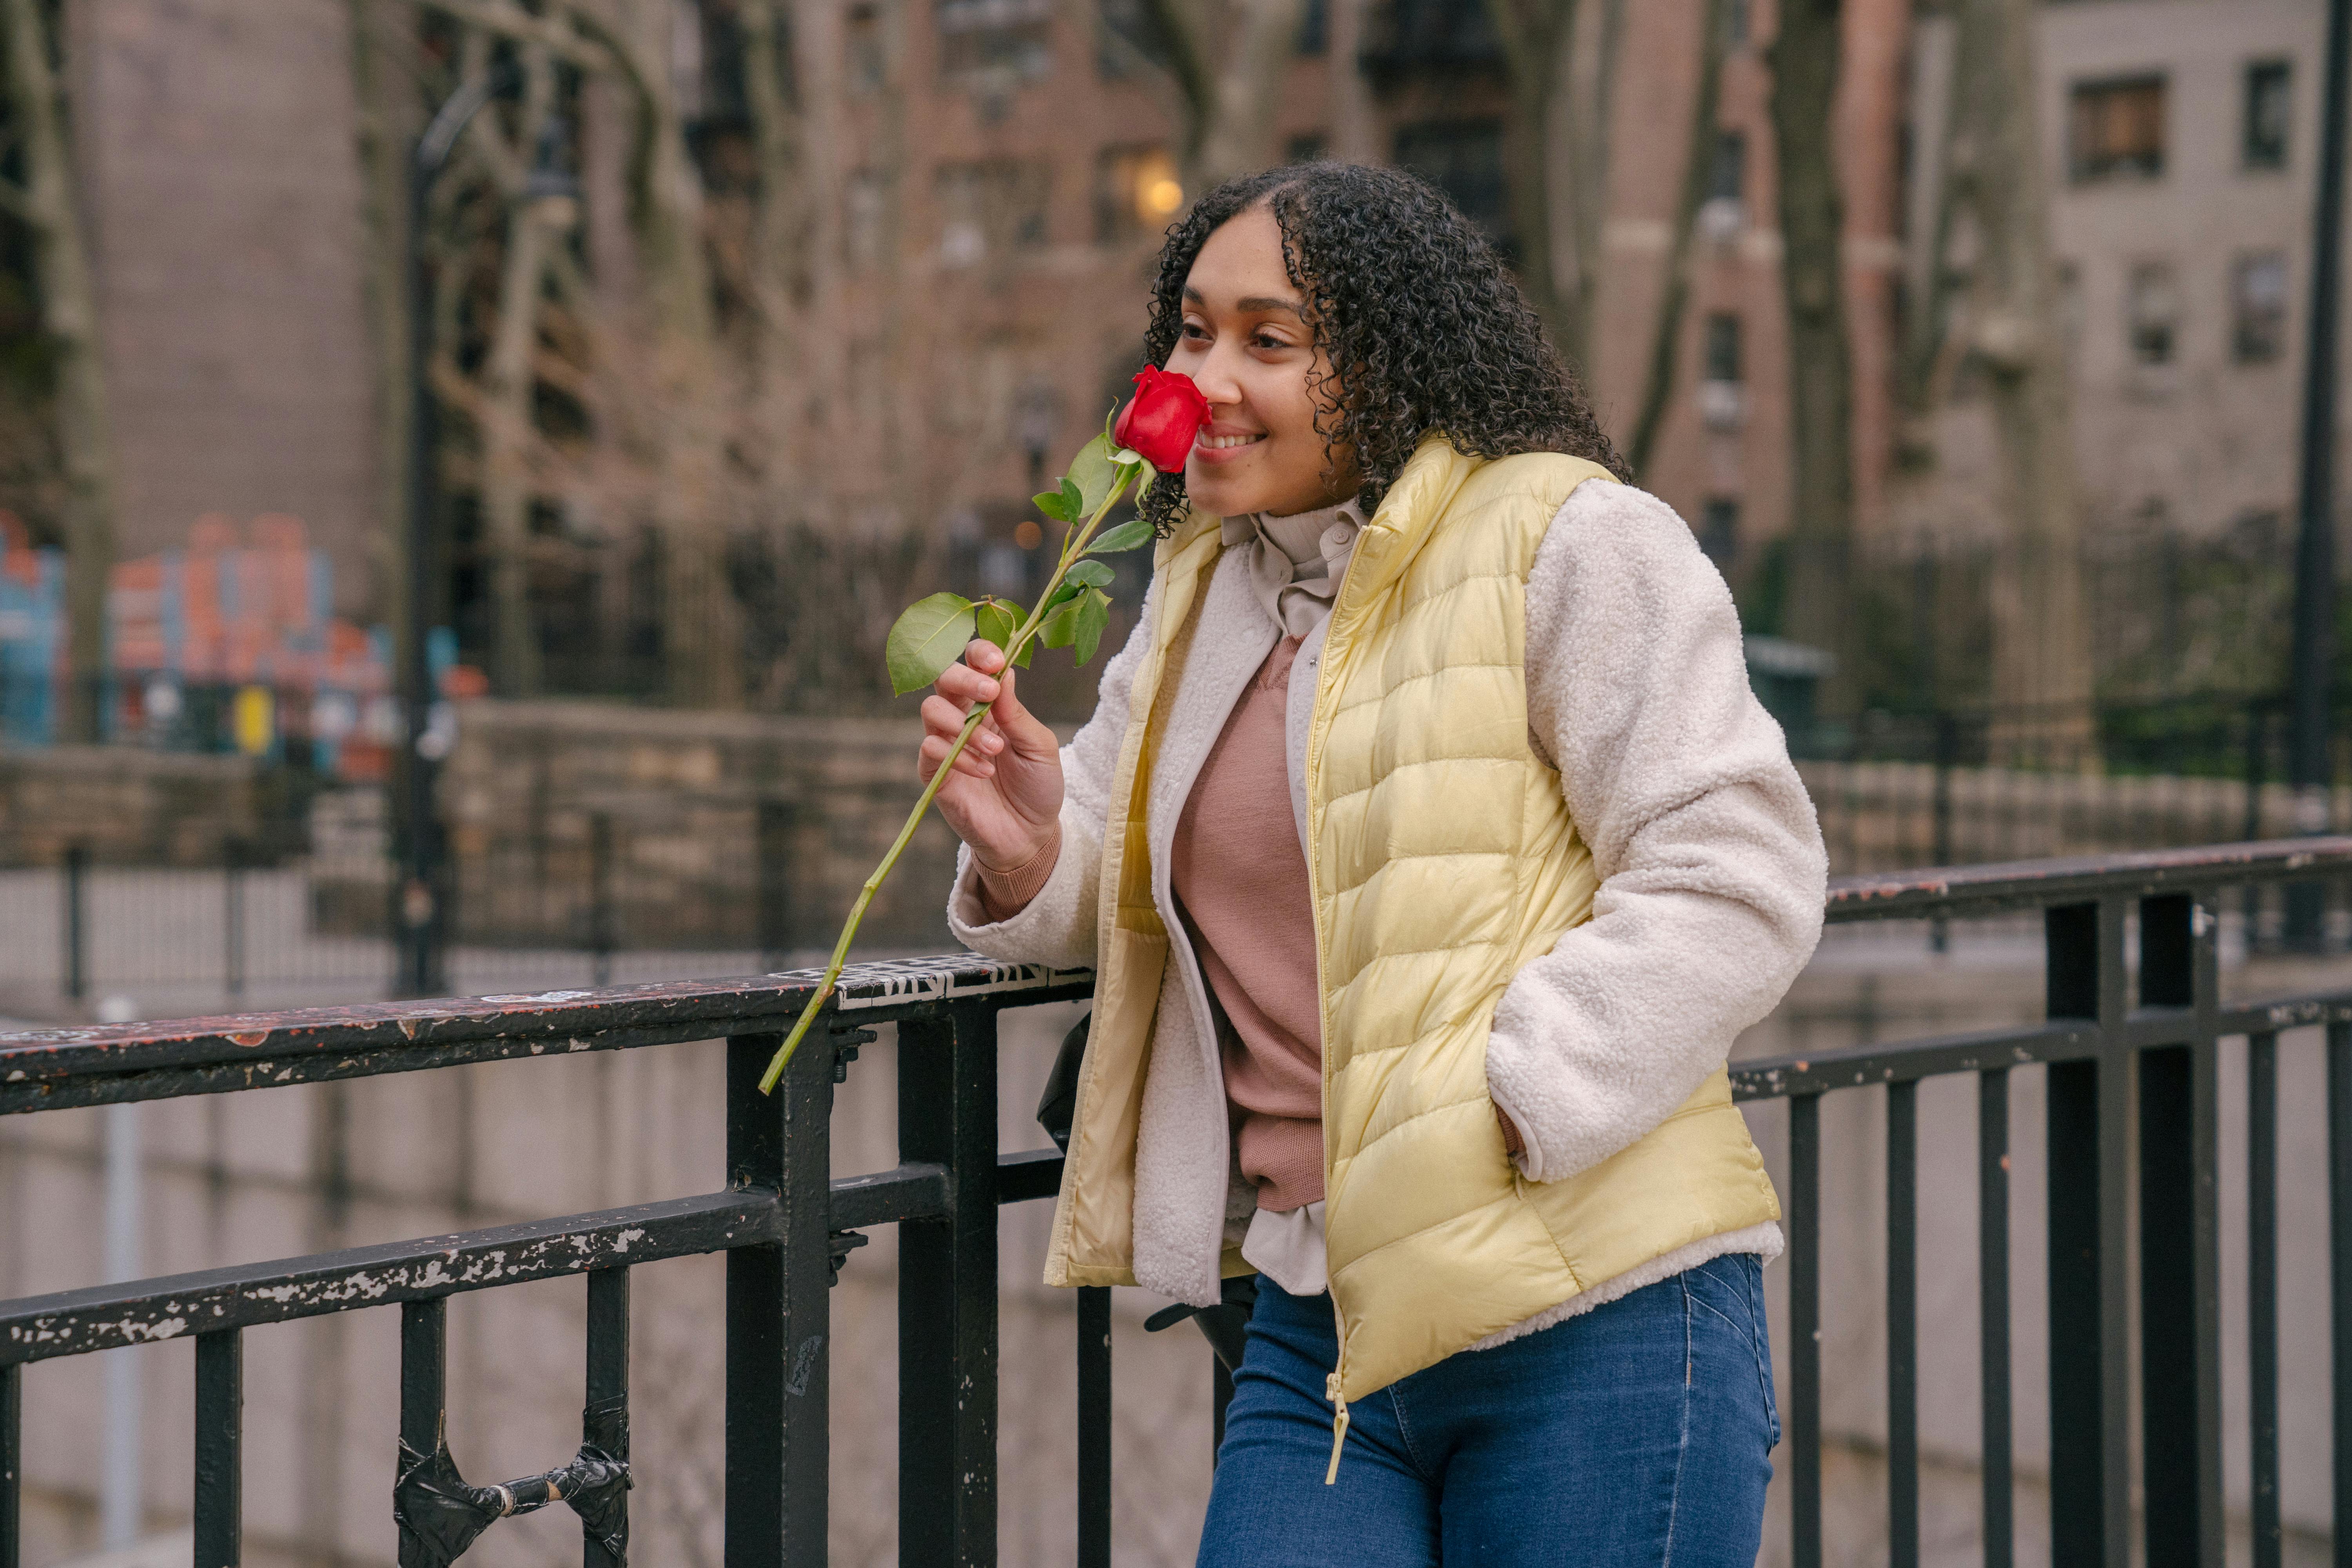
1710,858
1057,926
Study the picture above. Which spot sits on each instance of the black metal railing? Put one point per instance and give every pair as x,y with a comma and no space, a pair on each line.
2132,1098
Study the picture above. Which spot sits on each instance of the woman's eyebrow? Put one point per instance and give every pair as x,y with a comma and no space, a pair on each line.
1254,305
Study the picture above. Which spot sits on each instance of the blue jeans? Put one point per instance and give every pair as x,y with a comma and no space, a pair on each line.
1636,1433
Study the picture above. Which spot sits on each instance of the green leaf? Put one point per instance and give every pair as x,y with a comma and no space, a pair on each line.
1060,626
1132,534
927,638
1091,575
1093,473
1064,592
1051,503
1094,615
1074,500
997,621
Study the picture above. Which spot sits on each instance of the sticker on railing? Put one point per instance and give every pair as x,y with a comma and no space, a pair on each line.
891,982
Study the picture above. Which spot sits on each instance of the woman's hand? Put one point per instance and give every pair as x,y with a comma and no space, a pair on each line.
1004,797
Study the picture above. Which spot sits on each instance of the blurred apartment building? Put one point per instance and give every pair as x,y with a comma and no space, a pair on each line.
1003,168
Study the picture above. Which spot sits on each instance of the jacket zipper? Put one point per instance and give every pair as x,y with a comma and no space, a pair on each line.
1333,1384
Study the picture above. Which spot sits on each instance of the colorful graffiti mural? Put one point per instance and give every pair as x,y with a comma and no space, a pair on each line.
227,644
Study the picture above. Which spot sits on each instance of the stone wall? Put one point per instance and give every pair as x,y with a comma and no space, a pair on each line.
132,806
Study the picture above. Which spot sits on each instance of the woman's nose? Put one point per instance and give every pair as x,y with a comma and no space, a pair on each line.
1215,378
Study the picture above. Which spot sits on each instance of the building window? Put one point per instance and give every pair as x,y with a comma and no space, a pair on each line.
1723,347
1722,400
1135,192
1304,149
2258,308
862,46
1314,30
2116,129
991,208
985,43
2268,90
1464,159
2154,306
1726,178
1724,213
1718,529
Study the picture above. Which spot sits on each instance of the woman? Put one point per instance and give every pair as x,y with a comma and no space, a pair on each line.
1431,850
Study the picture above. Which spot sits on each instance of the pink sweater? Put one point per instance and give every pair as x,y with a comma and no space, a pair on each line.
1240,880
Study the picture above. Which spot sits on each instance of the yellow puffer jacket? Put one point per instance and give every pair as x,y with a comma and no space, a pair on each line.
1443,859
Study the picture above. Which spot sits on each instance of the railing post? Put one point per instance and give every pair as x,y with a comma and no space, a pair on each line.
2339,1258
2262,1294
2000,1529
1804,1395
605,1420
2181,1278
11,1463
1903,1324
220,1434
779,1389
2089,1101
1094,1427
947,1295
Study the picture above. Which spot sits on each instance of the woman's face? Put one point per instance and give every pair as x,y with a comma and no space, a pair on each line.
1246,343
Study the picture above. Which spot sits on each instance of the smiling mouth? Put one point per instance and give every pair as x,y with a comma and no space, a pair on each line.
1222,443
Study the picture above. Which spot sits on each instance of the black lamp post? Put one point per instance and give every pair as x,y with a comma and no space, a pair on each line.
2312,672
420,906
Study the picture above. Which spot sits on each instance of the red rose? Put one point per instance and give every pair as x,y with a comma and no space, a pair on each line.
1161,423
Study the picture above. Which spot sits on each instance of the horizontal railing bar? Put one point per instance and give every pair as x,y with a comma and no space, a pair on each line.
556,1022
1774,1077
1031,1173
2035,884
889,1197
75,1322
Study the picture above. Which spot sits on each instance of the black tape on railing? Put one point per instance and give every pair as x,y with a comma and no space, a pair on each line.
440,1514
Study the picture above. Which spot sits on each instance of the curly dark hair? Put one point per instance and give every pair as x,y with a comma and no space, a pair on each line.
1424,327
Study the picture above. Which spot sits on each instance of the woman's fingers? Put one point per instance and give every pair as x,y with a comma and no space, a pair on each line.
964,686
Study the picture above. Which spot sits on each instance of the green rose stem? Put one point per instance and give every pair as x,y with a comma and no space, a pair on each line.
1073,545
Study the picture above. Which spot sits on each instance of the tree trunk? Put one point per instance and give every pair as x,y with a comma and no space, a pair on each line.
378,77
2042,657
1539,43
701,636
1230,59
1667,332
1804,61
69,319
1355,125
505,411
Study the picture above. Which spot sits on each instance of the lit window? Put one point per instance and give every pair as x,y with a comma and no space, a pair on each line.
2116,129
2269,100
2258,308
2154,304
1137,194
